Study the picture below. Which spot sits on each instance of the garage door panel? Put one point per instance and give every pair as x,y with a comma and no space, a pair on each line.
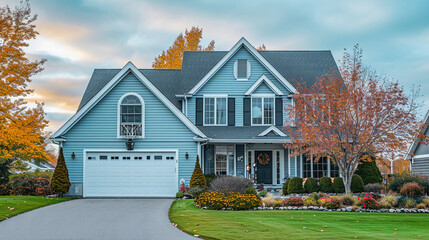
130,174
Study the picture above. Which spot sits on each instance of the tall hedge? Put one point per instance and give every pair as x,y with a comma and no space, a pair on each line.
295,185
60,182
198,179
285,186
326,185
357,184
368,171
311,185
338,185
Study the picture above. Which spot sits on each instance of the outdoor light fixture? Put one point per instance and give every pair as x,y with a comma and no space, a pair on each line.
130,144
187,155
73,155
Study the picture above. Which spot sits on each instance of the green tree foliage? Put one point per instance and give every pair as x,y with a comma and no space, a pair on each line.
311,185
368,170
338,185
357,184
326,185
295,185
198,179
60,182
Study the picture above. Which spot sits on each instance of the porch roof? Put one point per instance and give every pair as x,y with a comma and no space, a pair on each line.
243,134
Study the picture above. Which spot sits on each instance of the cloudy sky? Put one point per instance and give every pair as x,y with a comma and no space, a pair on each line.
78,36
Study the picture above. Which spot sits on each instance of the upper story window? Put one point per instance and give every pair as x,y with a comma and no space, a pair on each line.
131,112
242,69
262,109
215,110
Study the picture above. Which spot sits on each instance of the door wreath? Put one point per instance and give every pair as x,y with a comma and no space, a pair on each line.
263,159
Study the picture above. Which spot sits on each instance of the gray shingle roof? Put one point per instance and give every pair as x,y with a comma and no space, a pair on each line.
302,66
237,132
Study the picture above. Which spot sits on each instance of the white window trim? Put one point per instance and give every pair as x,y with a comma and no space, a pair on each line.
118,123
273,129
267,81
215,96
273,96
236,71
227,163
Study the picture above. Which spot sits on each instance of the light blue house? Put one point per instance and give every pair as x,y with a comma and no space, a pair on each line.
137,132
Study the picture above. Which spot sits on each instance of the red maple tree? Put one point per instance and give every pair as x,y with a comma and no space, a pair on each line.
350,113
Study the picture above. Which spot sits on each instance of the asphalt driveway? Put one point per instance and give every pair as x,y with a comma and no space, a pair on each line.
95,219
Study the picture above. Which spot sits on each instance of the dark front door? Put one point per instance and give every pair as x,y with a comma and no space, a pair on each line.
264,167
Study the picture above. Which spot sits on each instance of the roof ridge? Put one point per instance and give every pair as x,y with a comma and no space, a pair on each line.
295,51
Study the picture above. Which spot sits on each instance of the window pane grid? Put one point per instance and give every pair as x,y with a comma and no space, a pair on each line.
262,111
215,111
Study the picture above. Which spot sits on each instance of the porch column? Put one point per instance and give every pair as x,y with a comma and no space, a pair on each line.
288,162
329,167
311,165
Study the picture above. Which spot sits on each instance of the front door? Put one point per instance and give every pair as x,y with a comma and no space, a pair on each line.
264,167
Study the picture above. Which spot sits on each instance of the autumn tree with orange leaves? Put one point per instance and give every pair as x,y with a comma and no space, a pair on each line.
21,127
349,113
173,57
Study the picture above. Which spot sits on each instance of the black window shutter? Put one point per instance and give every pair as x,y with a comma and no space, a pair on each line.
199,112
279,112
246,111
231,111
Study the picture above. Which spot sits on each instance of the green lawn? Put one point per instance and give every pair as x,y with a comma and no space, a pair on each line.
211,224
14,205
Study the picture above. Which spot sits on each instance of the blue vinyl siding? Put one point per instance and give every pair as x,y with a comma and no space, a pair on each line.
98,130
263,88
292,167
286,166
223,82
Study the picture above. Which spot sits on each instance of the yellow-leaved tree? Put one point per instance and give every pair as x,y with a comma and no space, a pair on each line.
173,56
21,127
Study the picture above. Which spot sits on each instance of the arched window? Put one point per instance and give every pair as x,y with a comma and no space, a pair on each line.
131,116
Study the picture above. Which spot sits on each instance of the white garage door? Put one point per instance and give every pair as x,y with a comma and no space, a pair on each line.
136,174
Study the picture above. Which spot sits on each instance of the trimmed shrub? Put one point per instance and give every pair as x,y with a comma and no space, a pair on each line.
310,201
400,179
179,195
331,203
209,179
251,190
230,184
212,200
262,193
412,190
373,187
338,185
196,191
294,201
311,185
348,200
60,182
368,202
369,171
30,183
326,185
238,201
295,185
235,201
284,188
357,184
198,179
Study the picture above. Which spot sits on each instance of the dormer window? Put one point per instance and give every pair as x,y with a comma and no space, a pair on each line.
242,70
131,113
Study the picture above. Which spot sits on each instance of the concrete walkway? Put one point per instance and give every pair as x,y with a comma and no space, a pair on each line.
95,219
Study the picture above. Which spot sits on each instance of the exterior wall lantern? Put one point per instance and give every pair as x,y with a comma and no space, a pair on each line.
130,144
187,155
73,155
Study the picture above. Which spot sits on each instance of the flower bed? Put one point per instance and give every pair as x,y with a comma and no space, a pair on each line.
368,202
36,183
